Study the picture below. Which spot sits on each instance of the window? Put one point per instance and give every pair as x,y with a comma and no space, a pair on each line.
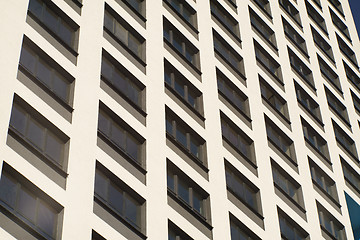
352,76
45,72
264,5
329,74
315,140
322,44
232,94
228,54
242,188
27,205
316,17
38,133
329,224
122,81
273,99
291,10
289,229
356,101
184,10
225,18
337,106
286,184
138,6
318,3
300,68
237,138
182,187
345,49
323,181
340,24
239,231
55,21
308,103
178,41
182,87
120,135
175,233
337,5
187,139
279,139
124,34
262,28
294,37
268,62
345,141
350,175
118,198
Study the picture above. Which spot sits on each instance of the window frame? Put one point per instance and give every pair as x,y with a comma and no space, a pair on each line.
292,225
294,37
182,4
325,215
301,69
329,74
347,51
316,17
345,141
340,25
264,5
225,19
289,8
350,175
321,43
352,76
337,106
261,27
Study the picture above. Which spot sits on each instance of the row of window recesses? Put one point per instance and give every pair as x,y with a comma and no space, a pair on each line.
33,132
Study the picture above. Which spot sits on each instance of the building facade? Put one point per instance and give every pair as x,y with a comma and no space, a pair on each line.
179,119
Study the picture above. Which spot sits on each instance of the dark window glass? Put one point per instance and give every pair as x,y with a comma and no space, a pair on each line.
138,5
118,199
329,74
53,21
308,102
182,8
262,28
120,136
350,175
45,73
294,36
337,5
356,101
224,17
322,44
337,106
300,68
347,51
328,223
340,24
175,233
239,231
345,141
264,5
316,17
267,61
352,76
38,135
291,10
289,229
29,206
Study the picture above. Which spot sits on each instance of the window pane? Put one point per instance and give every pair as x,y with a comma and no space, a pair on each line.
119,81
18,119
101,185
46,218
132,147
28,60
179,88
60,86
44,73
108,22
194,147
35,134
121,33
181,136
170,181
66,33
106,69
116,198
7,190
54,147
35,7
198,203
117,135
134,45
183,191
51,20
104,124
132,210
26,205
169,128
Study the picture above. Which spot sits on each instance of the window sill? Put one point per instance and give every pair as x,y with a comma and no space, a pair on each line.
193,28
300,207
122,219
284,154
137,58
236,37
188,105
245,115
336,202
327,160
38,82
52,163
114,146
22,222
240,153
134,105
230,65
189,209
54,35
259,215
187,152
195,68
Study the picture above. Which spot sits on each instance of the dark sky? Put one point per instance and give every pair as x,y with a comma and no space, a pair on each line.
355,9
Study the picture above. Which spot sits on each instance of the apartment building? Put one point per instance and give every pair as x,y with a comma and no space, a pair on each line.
179,120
